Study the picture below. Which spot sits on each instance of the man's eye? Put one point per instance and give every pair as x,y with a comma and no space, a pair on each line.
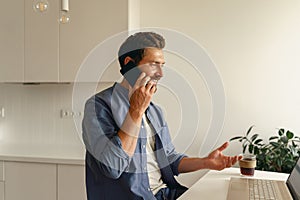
156,65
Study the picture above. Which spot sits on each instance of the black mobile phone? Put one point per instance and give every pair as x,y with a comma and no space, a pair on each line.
132,74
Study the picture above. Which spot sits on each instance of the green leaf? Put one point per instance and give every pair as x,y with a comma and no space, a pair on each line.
258,141
289,134
250,148
254,137
244,148
273,137
235,138
256,150
293,150
281,131
249,130
275,144
279,162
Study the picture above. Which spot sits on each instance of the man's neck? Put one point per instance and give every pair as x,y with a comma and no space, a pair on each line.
124,84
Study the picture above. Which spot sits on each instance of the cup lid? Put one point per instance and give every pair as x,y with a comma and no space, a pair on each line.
249,156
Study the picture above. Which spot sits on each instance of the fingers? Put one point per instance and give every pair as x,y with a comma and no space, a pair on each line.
151,87
229,161
239,157
145,81
142,80
234,159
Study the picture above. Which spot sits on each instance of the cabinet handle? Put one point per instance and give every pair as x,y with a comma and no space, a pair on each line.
65,5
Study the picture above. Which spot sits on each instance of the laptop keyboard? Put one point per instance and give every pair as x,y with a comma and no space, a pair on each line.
261,189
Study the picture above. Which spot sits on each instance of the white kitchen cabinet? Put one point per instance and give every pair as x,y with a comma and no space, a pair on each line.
1,190
35,47
30,181
91,22
71,182
41,43
1,180
1,171
11,40
46,181
29,42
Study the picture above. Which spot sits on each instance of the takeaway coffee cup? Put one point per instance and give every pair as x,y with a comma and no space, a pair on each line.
247,164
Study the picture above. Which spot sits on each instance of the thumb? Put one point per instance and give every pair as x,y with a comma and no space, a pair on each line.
224,146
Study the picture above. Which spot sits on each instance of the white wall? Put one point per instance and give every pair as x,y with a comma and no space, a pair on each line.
255,46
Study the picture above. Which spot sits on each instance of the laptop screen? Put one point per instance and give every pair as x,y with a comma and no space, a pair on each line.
293,181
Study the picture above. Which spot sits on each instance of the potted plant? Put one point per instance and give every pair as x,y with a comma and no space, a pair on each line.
279,154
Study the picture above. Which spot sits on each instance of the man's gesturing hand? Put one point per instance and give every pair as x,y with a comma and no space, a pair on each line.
216,160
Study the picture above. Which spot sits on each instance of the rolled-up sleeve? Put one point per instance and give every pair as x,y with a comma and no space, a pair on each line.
101,138
174,160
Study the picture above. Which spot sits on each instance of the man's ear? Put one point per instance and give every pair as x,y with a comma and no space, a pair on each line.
127,60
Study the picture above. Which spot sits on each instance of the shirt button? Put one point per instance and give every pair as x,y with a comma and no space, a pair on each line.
142,126
145,168
149,189
144,146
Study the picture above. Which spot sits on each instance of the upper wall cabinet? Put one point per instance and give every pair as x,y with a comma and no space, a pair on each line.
29,41
36,46
41,41
91,22
12,40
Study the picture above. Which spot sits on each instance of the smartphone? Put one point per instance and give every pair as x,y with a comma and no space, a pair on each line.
132,75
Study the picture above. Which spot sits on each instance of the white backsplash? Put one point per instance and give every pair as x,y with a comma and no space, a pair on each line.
33,114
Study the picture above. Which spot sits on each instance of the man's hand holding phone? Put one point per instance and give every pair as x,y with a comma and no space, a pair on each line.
140,96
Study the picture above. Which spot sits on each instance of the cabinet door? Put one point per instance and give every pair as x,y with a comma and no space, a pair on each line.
1,190
71,182
91,22
30,181
11,40
1,180
41,43
1,171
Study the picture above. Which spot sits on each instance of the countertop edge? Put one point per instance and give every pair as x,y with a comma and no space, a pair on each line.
46,160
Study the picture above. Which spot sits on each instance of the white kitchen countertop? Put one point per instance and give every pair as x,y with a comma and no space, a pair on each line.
43,153
214,185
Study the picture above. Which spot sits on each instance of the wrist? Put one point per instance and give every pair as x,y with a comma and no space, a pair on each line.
205,163
136,115
131,127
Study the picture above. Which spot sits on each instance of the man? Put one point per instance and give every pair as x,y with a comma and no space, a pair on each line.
129,150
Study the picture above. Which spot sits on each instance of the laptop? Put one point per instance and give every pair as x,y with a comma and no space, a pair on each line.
249,188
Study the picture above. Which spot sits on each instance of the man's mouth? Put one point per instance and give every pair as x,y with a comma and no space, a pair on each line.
154,81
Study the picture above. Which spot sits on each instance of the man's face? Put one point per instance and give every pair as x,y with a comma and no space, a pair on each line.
152,63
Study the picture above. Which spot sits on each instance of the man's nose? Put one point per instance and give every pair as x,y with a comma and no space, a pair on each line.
159,73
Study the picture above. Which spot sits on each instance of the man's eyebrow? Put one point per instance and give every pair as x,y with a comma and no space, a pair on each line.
156,62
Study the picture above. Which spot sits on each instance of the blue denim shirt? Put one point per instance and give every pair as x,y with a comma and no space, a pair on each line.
110,172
